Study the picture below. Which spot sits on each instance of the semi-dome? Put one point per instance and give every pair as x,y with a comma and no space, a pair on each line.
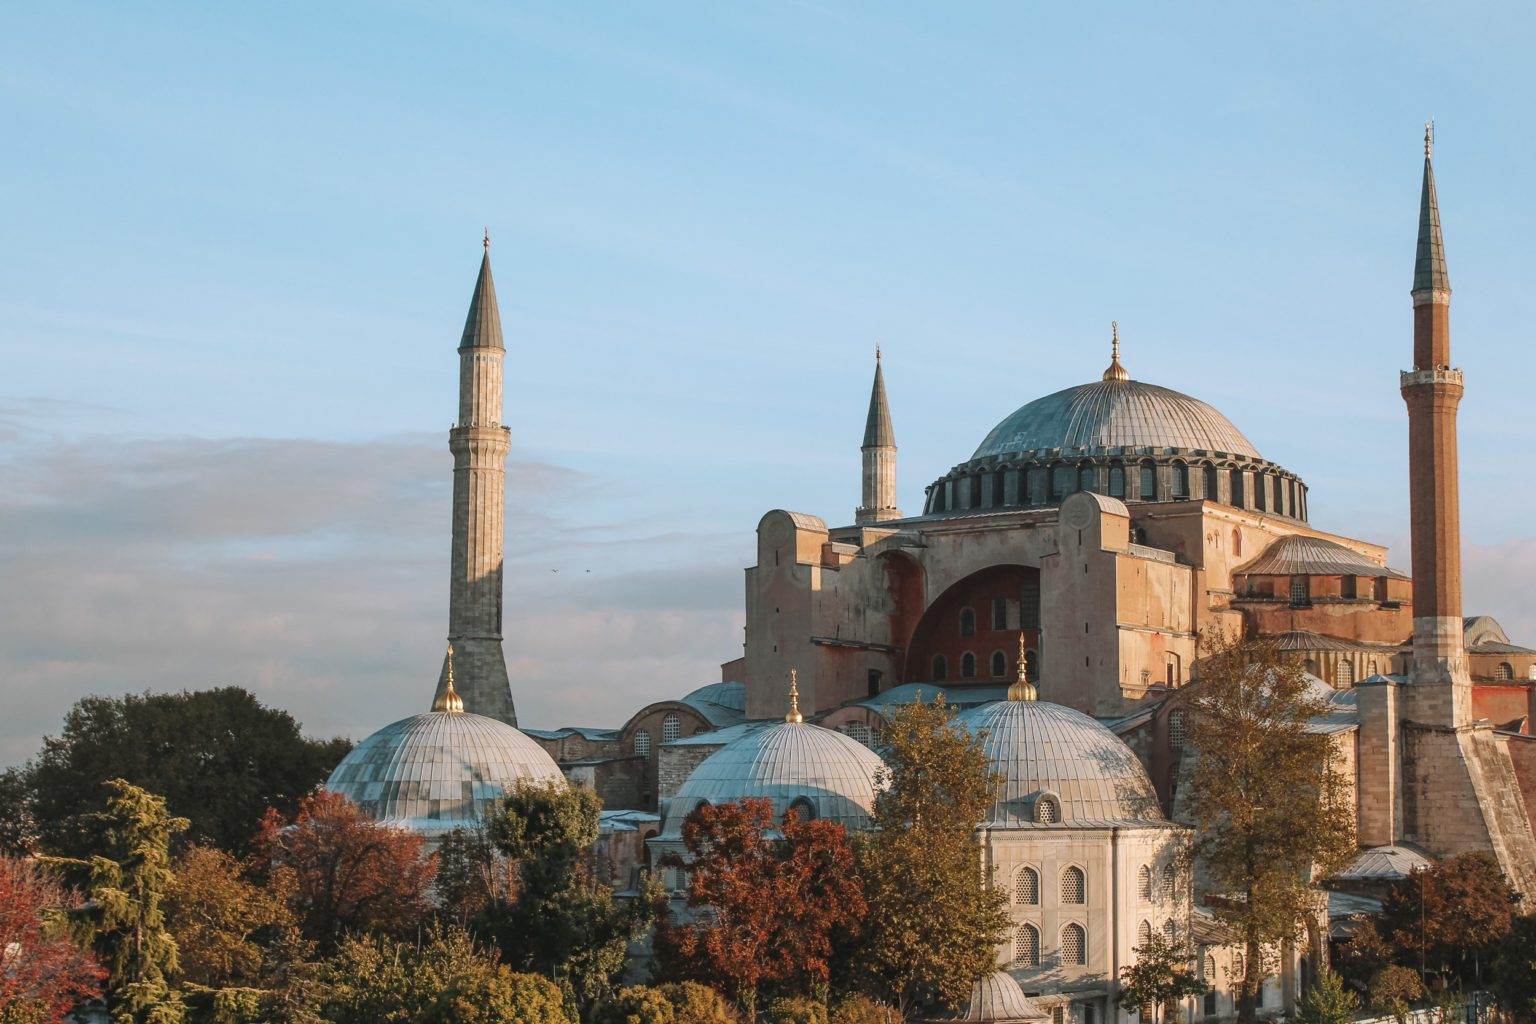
1059,767
439,771
794,764
996,999
1125,438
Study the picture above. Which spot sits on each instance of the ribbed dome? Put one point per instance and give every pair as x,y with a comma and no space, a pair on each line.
997,999
785,762
439,771
1047,749
1116,413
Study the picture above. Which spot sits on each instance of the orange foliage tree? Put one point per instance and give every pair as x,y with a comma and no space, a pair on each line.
43,975
769,908
338,870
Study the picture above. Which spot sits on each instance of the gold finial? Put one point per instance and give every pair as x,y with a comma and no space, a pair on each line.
1115,370
1022,688
487,241
794,717
1429,138
449,699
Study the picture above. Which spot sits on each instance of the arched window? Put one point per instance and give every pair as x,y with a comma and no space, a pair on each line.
967,665
1063,480
1117,480
1036,485
1237,967
1261,492
643,744
999,664
1026,887
1144,883
1166,883
1173,670
999,613
1171,930
940,668
1087,478
1504,671
1176,729
1375,667
1046,811
999,489
1032,667
1346,672
1208,970
1026,946
1212,482
1238,497
1237,543
1074,885
1180,480
1143,934
1148,491
1074,946
1299,590
671,727
803,808
967,622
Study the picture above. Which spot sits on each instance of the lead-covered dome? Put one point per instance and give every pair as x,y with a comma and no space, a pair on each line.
824,774
439,771
1059,767
1116,414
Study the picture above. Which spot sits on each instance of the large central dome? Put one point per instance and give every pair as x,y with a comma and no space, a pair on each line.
1115,414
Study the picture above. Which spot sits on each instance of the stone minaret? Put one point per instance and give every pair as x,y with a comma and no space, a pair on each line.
879,454
1432,390
479,444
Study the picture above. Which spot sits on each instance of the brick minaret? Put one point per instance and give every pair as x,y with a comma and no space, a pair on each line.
879,457
479,444
1432,390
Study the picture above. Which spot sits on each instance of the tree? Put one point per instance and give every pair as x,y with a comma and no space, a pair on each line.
1393,991
214,911
1514,971
1159,977
126,884
795,1010
693,1003
1269,806
447,980
337,869
1327,1001
766,908
857,1008
43,972
219,758
18,831
685,1002
1450,917
471,876
562,922
934,923
1363,955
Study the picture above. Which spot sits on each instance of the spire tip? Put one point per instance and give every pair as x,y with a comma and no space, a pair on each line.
449,699
794,717
1115,371
1429,138
486,241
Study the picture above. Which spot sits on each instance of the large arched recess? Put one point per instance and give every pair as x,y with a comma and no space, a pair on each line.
939,631
904,586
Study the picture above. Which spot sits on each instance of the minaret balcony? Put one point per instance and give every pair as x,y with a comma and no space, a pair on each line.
1439,375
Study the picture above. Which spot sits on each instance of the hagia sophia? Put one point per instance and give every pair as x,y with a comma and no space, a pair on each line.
1053,588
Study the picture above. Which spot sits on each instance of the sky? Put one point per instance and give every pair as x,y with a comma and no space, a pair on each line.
237,243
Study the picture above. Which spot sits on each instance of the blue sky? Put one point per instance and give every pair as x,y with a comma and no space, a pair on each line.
240,240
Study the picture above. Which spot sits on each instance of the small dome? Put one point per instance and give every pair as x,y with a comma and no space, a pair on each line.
997,999
439,771
1112,413
788,762
1299,555
1047,750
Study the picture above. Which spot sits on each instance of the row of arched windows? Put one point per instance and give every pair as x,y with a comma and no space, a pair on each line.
671,729
1262,490
998,666
1072,946
1144,933
1164,889
1073,887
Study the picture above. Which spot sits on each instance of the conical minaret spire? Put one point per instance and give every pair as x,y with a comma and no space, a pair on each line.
1433,390
879,456
479,443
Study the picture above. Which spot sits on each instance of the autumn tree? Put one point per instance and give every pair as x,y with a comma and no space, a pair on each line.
1394,990
445,980
216,914
1159,977
44,973
471,876
1327,1001
126,884
1514,971
1449,918
934,923
1264,793
562,922
219,757
766,907
336,869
